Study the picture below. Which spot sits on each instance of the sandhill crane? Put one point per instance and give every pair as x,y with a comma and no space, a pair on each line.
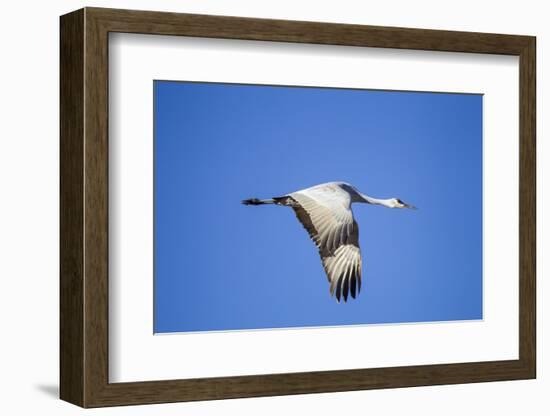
325,212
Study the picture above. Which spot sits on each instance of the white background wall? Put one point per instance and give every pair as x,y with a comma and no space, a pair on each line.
29,206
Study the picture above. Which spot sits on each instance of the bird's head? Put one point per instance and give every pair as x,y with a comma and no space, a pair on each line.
397,203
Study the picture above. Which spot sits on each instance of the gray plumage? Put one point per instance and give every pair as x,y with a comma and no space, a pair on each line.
325,212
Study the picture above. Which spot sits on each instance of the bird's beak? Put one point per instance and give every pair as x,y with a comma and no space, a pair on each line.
409,206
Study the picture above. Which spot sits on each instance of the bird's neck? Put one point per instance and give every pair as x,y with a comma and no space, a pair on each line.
375,201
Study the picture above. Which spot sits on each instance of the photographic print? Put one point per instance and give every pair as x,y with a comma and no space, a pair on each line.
240,197
293,207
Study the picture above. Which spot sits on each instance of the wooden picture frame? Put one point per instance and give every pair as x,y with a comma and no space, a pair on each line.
84,207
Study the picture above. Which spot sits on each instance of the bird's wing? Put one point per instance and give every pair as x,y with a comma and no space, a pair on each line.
325,212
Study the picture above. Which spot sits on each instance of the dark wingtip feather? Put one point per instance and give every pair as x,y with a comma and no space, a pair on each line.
345,289
353,286
338,291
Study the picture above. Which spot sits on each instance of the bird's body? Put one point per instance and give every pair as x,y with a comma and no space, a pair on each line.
325,212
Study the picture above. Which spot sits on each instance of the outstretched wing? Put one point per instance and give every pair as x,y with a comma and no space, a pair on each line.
325,212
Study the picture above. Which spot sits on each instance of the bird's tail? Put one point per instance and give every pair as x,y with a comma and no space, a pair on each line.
256,201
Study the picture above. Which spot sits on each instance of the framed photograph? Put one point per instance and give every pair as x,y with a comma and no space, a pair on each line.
255,207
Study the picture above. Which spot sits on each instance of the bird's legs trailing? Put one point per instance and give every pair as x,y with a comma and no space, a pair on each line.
256,201
280,200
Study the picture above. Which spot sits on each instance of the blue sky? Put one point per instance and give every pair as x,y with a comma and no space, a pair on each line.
220,265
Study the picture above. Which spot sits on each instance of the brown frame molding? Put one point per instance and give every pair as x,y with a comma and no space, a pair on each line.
84,207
